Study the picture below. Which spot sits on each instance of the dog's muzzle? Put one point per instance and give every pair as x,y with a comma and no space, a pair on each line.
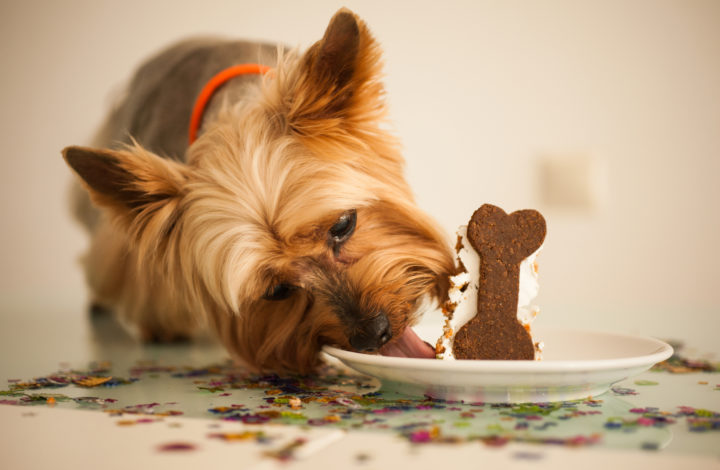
372,334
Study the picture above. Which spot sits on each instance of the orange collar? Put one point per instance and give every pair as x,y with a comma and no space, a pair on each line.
211,87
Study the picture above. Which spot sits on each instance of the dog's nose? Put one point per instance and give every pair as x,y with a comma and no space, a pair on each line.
373,334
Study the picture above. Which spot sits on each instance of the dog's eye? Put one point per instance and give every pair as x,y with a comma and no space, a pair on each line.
344,227
279,292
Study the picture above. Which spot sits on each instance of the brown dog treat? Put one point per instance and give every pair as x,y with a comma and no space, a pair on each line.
502,241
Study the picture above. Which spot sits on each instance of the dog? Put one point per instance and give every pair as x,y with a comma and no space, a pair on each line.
287,225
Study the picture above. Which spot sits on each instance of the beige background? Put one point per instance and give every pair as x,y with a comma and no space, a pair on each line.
604,115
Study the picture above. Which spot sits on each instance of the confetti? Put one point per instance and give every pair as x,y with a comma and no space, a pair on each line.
335,398
91,381
703,424
46,398
93,401
257,436
177,447
527,455
83,378
645,382
228,409
130,422
362,457
529,422
678,364
698,420
286,452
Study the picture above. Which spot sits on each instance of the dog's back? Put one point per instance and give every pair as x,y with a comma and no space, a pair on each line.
155,108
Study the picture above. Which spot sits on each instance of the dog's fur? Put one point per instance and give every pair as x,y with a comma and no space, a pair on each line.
202,235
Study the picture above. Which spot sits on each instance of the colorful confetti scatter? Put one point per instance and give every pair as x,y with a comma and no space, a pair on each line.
350,402
95,376
698,420
679,364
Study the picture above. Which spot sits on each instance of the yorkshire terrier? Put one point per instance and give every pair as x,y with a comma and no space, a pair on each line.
285,226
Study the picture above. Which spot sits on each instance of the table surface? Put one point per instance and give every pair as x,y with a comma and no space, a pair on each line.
84,393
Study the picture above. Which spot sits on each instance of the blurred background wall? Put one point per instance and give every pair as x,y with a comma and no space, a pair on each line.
604,115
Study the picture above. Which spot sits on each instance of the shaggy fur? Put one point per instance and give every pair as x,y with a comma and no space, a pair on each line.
205,235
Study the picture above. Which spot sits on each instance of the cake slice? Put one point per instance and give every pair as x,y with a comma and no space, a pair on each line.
488,313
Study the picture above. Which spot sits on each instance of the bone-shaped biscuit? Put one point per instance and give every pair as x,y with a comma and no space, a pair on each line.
502,241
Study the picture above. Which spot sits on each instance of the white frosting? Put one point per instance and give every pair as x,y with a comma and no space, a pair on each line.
464,291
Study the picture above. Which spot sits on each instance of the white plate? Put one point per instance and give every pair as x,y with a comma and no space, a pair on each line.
576,364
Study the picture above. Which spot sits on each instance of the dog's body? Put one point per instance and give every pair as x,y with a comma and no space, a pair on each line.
156,108
286,226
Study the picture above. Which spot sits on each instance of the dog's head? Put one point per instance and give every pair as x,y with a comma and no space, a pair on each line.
291,225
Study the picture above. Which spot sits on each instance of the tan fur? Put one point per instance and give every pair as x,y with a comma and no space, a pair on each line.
181,245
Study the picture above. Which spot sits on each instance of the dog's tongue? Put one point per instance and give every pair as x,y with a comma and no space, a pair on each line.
408,345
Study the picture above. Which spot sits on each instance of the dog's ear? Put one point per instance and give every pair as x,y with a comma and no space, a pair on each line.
135,184
332,62
338,76
132,179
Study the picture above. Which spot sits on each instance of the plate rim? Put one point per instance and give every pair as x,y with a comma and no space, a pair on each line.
662,352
